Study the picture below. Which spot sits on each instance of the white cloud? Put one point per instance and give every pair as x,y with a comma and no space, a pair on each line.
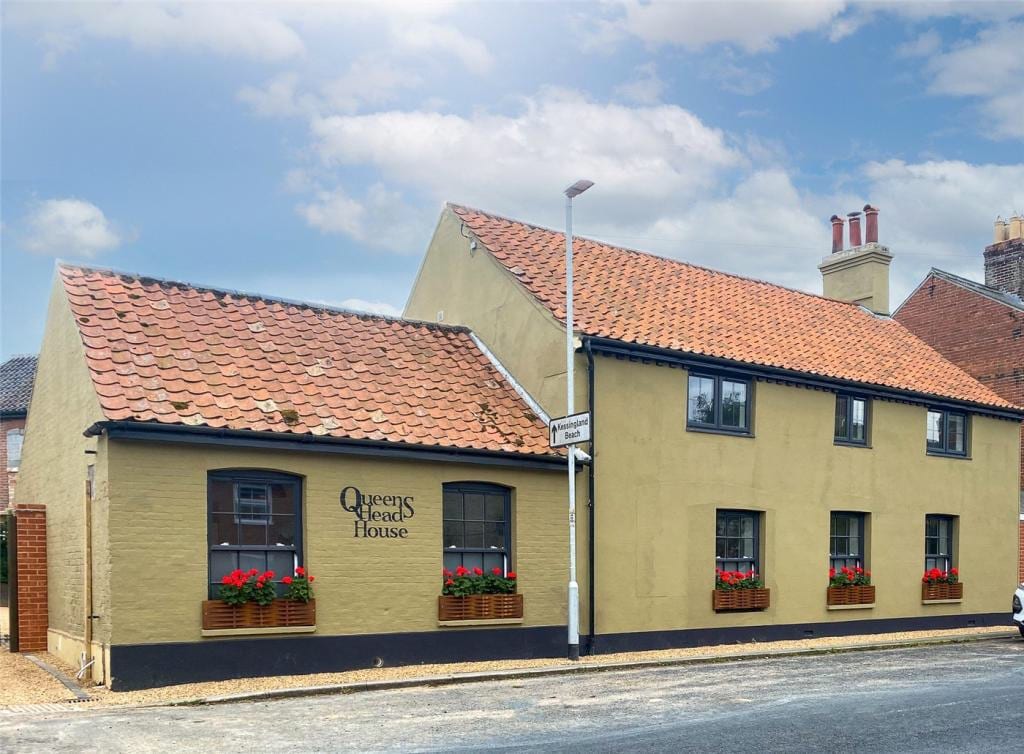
754,26
248,30
371,307
922,46
69,226
935,214
645,160
367,82
734,77
428,37
990,67
381,219
645,87
265,31
278,97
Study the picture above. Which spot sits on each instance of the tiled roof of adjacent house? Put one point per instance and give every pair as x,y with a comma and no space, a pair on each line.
167,352
1002,297
648,300
17,376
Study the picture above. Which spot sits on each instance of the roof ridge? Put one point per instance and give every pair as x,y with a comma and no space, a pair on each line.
652,255
996,294
254,296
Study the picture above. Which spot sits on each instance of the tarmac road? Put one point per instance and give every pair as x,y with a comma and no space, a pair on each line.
963,698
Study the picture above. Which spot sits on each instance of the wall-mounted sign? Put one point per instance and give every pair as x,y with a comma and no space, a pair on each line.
569,430
376,515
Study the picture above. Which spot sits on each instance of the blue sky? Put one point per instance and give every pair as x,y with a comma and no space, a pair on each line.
305,151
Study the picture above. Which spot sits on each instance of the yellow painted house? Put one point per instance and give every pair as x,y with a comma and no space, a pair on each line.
738,426
178,433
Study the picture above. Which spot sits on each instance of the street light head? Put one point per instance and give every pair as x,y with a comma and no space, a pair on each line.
578,188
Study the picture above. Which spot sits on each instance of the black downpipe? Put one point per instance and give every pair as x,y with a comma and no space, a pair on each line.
591,611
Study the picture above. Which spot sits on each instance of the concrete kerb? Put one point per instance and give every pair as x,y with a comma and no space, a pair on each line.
584,667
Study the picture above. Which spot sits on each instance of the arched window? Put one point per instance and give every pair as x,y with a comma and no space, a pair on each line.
255,521
477,526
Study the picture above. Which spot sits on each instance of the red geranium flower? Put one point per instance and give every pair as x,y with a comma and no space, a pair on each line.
461,571
311,579
478,572
287,580
511,575
300,571
445,572
449,582
496,571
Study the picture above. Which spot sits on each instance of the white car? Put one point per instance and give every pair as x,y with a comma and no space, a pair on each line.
1018,608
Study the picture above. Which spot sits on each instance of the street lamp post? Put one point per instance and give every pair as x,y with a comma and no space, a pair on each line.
574,589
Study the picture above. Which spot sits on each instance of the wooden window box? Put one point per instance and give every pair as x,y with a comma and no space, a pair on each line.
942,592
218,615
476,607
723,600
850,595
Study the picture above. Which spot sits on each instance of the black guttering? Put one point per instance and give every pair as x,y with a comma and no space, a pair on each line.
19,413
640,352
155,432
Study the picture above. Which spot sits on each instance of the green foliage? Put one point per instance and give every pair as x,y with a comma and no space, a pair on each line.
465,582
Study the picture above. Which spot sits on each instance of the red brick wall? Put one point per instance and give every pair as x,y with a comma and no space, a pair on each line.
7,480
981,336
33,610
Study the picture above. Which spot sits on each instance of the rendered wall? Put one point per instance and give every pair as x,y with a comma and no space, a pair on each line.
475,290
158,538
658,488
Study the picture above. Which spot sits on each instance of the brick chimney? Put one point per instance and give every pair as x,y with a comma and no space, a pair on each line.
859,274
1004,258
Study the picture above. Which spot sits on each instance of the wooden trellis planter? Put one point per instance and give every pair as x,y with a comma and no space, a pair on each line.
850,595
217,614
479,607
931,592
723,600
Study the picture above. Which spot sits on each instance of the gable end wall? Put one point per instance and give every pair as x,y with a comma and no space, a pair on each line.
981,336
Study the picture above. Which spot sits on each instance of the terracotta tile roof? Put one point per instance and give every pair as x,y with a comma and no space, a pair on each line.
17,375
644,299
160,351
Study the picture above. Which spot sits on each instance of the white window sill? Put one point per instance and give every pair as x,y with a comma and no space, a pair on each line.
267,631
865,606
941,602
482,622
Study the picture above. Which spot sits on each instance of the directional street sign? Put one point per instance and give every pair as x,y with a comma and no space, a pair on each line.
569,430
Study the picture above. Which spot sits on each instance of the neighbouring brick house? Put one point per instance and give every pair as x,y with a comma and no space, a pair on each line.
980,327
16,377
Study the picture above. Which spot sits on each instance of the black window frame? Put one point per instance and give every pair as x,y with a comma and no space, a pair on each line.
716,425
851,560
949,557
848,438
485,488
252,477
943,449
753,562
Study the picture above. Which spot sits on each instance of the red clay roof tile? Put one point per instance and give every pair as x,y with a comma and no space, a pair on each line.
648,300
160,351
